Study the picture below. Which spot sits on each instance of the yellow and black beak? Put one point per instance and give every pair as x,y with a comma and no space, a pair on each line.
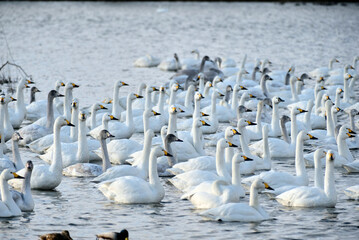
13,99
339,109
138,96
30,82
251,123
247,158
336,60
204,114
267,186
154,89
323,88
16,175
302,110
62,84
331,156
69,124
103,107
162,89
174,109
321,79
181,110
235,132
201,96
113,118
350,76
27,86
232,145
167,153
243,88
124,84
351,131
204,123
83,116
74,104
350,135
281,100
75,85
311,137
156,113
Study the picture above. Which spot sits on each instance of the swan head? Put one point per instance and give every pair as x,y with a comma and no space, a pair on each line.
170,138
305,76
104,134
158,152
266,77
59,84
330,156
16,137
217,79
120,84
150,113
53,94
198,96
259,184
75,103
318,155
276,100
348,76
284,119
223,143
339,91
71,85
298,110
354,112
336,109
29,165
163,89
244,123
230,132
347,67
175,87
150,89
199,123
320,79
304,135
346,132
7,175
97,106
173,109
34,89
333,60
291,69
164,130
108,117
240,157
62,121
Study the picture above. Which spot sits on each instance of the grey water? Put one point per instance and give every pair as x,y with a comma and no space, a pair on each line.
94,44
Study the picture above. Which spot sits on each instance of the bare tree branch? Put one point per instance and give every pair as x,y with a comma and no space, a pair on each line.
13,64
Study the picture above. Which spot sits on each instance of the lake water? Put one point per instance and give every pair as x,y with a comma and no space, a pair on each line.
95,44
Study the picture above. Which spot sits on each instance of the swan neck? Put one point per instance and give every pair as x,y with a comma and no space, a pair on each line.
75,121
153,174
171,160
266,153
352,123
259,118
82,151
67,103
284,132
197,139
148,102
299,160
294,128
116,108
32,97
106,164
343,148
56,164
20,103
172,124
329,181
16,156
253,197
228,152
293,90
5,192
243,141
129,115
346,91
188,101
318,172
26,187
234,100
330,123
275,119
236,174
197,109
50,113
172,97
264,86
161,102
145,154
220,164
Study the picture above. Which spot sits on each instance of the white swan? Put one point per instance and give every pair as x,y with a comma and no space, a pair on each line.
170,64
147,61
89,169
323,71
241,212
8,207
192,178
47,177
139,168
305,196
24,198
352,192
105,120
93,122
8,129
43,126
116,106
68,98
130,189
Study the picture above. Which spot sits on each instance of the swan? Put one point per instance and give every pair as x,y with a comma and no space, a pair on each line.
170,64
213,118
190,73
18,164
37,110
281,148
274,130
305,196
24,198
43,126
75,152
130,189
241,212
338,79
18,114
352,192
33,91
139,167
192,178
116,107
47,177
283,181
68,99
208,188
323,71
86,169
8,129
186,124
8,207
147,61
255,132
105,120
191,63
92,122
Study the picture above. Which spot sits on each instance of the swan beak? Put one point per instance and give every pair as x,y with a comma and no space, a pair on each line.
20,138
103,107
75,85
62,84
16,175
124,84
110,135
235,132
200,96
156,113
162,89
69,124
74,104
323,88
248,110
232,145
138,96
302,110
13,99
178,140
331,156
243,88
312,137
281,100
251,123
252,96
174,109
154,89
204,123
182,111
270,79
37,90
336,60
221,94
60,95
247,158
351,67
350,76
328,98
83,116
245,72
27,86
167,153
290,69
2,99
351,131
113,118
339,109
30,82
321,79
350,136
210,85
204,114
267,186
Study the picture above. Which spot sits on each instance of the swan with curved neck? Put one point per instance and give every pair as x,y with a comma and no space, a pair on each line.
47,177
314,196
130,190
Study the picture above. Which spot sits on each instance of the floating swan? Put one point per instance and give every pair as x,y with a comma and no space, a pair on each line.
323,71
130,189
24,198
105,119
352,192
147,61
8,207
89,169
47,177
241,212
305,196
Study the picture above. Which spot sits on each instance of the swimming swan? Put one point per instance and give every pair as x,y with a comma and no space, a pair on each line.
8,207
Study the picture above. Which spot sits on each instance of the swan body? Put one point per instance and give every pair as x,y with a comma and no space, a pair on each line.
170,64
147,61
352,192
305,196
8,207
241,212
323,71
131,190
